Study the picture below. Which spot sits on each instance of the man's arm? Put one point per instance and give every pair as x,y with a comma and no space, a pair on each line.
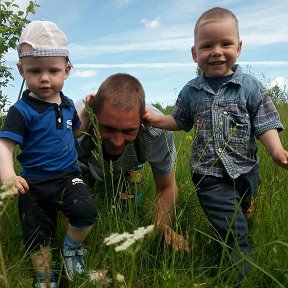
167,196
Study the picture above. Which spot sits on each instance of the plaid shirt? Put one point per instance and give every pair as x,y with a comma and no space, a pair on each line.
226,123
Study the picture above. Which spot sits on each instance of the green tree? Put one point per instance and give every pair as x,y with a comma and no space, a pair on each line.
12,21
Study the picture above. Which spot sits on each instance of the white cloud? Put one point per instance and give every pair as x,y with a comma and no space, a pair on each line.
84,73
280,81
151,24
137,65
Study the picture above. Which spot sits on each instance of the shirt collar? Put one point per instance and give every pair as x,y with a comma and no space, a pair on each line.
40,105
200,81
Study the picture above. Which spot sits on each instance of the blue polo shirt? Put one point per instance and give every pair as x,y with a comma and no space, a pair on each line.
44,132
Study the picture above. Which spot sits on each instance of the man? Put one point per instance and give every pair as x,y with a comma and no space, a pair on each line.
119,106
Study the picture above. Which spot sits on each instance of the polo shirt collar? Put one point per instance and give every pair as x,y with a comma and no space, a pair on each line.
40,105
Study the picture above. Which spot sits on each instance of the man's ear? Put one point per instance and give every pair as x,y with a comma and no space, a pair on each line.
20,68
193,52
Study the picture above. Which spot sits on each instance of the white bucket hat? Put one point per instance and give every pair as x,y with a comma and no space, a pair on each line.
45,38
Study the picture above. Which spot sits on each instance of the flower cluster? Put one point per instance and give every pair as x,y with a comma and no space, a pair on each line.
8,189
125,240
99,277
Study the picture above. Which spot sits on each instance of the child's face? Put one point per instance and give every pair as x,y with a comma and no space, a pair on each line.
217,47
44,76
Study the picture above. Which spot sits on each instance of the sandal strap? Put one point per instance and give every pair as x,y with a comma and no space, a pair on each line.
74,252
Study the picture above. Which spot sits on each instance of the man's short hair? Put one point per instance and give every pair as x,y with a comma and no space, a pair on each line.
123,91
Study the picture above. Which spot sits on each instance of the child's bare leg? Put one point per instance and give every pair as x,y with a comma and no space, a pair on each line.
73,251
78,234
41,263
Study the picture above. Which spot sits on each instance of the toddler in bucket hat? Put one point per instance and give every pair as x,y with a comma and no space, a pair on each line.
42,38
44,124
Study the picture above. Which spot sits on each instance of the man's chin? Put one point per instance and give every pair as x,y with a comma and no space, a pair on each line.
113,152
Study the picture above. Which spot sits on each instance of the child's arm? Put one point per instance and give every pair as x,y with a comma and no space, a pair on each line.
7,172
270,139
83,114
166,122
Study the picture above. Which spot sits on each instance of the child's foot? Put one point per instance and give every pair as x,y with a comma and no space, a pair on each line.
45,280
46,285
73,261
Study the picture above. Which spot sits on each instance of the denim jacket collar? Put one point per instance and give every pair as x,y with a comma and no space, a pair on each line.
200,81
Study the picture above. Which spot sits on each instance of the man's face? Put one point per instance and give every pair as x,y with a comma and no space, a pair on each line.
117,127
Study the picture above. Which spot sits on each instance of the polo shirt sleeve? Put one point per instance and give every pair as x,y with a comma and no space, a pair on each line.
76,120
15,126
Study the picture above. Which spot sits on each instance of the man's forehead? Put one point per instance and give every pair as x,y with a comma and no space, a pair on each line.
118,117
121,106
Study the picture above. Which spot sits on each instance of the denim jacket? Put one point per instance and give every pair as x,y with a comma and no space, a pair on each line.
226,123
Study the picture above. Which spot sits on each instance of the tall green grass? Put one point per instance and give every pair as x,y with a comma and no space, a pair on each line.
156,264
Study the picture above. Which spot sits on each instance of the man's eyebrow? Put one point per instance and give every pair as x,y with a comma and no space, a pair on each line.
114,128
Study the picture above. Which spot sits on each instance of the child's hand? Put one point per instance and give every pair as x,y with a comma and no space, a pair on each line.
89,98
280,156
21,185
177,241
148,118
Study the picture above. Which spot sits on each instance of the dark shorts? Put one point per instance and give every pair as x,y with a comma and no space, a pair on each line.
38,208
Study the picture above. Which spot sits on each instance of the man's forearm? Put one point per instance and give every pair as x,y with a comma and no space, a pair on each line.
165,205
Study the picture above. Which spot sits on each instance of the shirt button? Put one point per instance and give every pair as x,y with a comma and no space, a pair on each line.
225,112
219,150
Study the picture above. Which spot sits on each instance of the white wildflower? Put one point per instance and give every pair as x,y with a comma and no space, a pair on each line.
7,194
125,245
116,238
99,276
120,278
126,239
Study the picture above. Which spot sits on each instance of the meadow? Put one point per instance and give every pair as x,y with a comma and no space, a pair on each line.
149,262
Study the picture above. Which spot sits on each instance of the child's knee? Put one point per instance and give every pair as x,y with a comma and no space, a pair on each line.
85,212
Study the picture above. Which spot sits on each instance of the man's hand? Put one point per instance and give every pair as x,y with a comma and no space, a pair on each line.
177,241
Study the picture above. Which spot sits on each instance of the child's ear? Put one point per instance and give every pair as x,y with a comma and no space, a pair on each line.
20,68
193,52
67,70
239,48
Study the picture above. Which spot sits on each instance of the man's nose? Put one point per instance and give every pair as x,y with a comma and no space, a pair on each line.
118,139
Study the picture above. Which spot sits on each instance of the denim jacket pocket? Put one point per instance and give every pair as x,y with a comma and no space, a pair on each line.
236,128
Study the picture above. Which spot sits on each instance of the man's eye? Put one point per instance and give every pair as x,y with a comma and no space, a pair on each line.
129,132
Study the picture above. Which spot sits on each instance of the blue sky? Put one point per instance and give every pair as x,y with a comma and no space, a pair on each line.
152,39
